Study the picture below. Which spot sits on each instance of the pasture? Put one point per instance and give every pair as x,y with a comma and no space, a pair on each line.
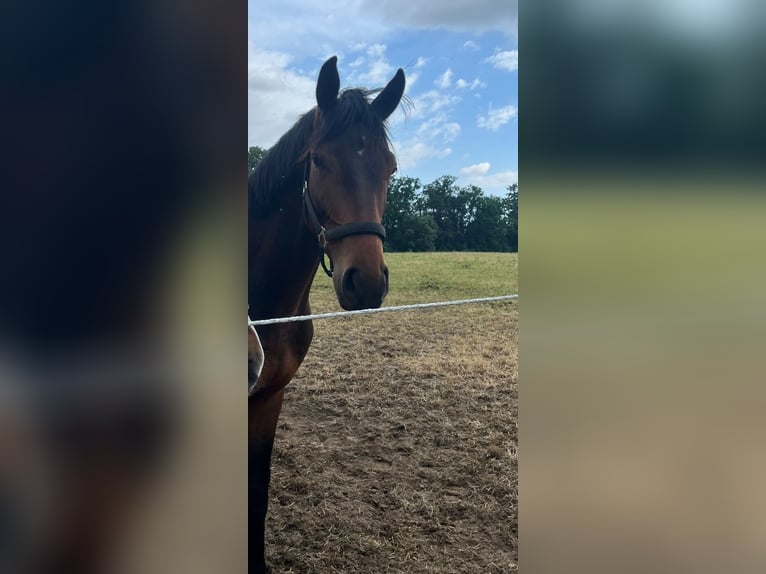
396,450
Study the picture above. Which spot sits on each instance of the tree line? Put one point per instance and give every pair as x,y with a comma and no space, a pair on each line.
442,216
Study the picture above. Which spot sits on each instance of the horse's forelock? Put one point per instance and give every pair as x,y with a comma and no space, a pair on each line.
353,109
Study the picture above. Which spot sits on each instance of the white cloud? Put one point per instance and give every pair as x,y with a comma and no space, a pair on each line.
421,62
376,50
410,79
409,153
373,71
445,80
298,27
378,74
497,117
431,102
448,132
463,84
505,60
475,170
276,96
305,28
490,183
471,45
474,15
433,129
439,128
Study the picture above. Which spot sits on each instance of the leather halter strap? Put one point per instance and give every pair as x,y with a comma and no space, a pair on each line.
324,235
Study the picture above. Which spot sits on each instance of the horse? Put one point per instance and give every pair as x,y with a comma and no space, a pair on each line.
318,193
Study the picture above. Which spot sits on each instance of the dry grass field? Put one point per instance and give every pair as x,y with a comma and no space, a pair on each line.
396,450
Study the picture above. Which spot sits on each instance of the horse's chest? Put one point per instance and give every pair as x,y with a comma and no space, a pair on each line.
284,349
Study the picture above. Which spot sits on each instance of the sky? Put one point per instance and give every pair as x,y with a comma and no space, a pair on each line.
460,59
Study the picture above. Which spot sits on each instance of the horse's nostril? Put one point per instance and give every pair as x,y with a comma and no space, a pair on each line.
348,280
385,274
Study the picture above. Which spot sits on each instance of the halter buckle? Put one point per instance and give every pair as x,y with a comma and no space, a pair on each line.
322,237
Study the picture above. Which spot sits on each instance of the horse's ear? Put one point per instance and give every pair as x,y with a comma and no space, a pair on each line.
389,98
328,84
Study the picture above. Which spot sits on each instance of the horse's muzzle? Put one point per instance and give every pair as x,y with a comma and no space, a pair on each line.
361,289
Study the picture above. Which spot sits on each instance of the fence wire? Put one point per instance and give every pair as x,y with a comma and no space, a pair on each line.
380,310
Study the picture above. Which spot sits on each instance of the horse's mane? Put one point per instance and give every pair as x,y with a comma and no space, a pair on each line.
282,167
279,166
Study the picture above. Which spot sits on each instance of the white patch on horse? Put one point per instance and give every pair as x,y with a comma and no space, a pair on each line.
360,151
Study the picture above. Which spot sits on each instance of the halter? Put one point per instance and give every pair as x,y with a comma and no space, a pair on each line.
324,235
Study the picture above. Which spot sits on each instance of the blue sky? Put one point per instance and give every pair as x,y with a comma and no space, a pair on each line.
460,58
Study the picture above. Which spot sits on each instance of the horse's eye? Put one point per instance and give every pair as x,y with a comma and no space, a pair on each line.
396,168
316,160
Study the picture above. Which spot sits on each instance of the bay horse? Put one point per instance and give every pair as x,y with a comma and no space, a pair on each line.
319,192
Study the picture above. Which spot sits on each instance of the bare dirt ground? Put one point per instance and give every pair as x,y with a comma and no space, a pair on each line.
396,450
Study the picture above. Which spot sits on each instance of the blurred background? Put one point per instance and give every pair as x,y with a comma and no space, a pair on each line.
122,314
642,318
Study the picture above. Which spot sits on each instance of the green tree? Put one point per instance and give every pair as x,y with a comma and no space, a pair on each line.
407,230
511,216
402,192
441,201
417,233
487,230
254,155
467,203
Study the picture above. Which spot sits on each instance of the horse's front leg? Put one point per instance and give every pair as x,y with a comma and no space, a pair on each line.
263,415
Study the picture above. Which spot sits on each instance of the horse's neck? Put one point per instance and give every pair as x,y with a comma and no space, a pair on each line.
282,265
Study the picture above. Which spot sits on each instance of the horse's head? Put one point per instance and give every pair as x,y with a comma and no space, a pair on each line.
349,166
